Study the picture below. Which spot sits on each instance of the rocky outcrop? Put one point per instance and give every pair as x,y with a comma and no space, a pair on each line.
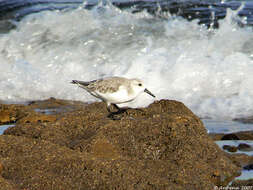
241,135
163,146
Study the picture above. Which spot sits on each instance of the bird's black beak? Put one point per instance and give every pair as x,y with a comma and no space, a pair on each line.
148,92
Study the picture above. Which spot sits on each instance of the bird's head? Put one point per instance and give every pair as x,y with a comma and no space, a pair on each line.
139,87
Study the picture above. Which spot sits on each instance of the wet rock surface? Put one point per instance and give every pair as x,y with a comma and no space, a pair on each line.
243,184
241,135
242,147
248,167
10,113
163,146
240,159
230,148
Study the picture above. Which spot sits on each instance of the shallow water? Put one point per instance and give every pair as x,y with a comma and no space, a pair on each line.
4,127
246,174
236,143
225,126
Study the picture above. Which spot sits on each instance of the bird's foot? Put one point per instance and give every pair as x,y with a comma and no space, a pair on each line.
117,115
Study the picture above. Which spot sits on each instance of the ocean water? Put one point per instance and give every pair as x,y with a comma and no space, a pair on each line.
4,127
226,126
209,70
236,143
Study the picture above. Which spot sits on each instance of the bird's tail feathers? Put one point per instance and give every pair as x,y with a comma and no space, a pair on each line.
81,83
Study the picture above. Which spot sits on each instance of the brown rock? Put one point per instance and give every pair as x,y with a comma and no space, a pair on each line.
4,117
241,159
7,116
244,147
231,136
6,185
245,135
36,111
230,148
164,146
11,113
248,167
103,149
247,184
1,168
216,136
37,118
241,135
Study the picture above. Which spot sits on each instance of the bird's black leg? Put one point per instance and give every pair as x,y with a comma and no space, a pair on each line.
117,107
114,115
108,108
120,110
111,114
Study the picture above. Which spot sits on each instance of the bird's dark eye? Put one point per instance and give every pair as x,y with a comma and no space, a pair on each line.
140,84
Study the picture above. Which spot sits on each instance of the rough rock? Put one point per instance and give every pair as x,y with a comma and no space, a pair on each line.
9,113
241,160
5,185
36,118
248,167
244,147
230,148
1,168
163,146
241,135
246,184
5,117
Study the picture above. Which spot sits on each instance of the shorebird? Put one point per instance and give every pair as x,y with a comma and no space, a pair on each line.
114,90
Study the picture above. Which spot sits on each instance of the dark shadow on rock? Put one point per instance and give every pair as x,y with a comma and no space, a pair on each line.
230,137
244,147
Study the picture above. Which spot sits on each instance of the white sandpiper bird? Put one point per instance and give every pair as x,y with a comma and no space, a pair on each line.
114,90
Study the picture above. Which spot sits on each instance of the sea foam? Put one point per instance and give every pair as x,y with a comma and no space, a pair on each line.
210,70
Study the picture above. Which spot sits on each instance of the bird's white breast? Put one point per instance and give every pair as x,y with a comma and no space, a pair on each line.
120,96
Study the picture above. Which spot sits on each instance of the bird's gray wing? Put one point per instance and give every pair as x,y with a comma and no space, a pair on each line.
100,85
